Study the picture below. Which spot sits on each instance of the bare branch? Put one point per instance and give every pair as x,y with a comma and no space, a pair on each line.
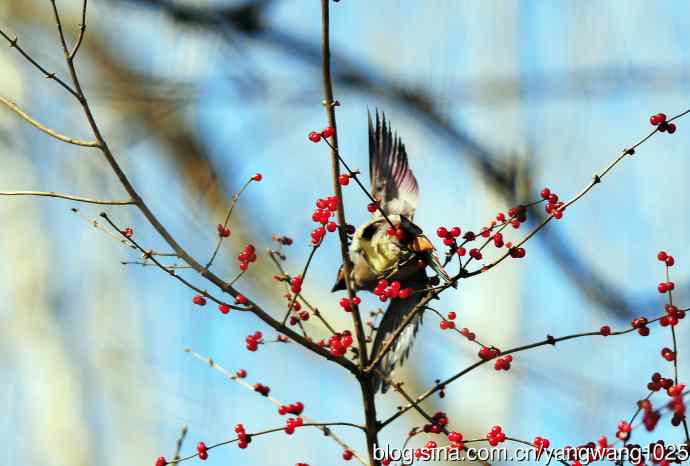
14,43
70,197
80,39
61,137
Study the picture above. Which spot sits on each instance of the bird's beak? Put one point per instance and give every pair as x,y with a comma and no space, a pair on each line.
339,281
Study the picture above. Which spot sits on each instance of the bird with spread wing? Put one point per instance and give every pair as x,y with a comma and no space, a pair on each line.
390,246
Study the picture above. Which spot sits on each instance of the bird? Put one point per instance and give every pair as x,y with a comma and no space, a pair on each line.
391,247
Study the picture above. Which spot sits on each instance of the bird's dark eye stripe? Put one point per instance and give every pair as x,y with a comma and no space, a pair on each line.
369,231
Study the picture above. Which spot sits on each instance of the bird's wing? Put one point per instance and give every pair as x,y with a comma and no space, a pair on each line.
392,182
395,314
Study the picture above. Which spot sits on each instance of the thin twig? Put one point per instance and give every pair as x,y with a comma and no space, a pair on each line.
14,43
235,198
35,123
303,277
180,441
69,197
82,33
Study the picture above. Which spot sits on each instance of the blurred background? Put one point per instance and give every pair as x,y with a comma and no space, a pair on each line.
494,100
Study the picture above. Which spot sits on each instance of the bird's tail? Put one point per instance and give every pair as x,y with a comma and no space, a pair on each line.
395,315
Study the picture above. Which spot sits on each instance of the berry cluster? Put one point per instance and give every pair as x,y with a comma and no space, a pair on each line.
296,284
294,408
673,316
503,364
438,423
348,304
340,342
199,300
292,423
254,340
663,256
448,236
448,323
465,332
398,232
325,209
247,255
660,120
641,325
223,231
668,354
243,440
541,443
455,439
262,389
650,419
496,436
624,429
487,353
677,404
424,453
327,132
385,291
297,313
202,451
553,205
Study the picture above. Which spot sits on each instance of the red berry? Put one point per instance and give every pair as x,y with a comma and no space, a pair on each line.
257,177
223,231
605,330
455,232
662,256
347,455
327,132
199,300
452,315
240,299
657,119
314,136
128,232
161,461
441,232
545,193
670,261
344,180
671,128
241,374
372,207
224,308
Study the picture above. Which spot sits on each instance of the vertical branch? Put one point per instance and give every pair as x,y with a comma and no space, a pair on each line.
365,379
330,104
